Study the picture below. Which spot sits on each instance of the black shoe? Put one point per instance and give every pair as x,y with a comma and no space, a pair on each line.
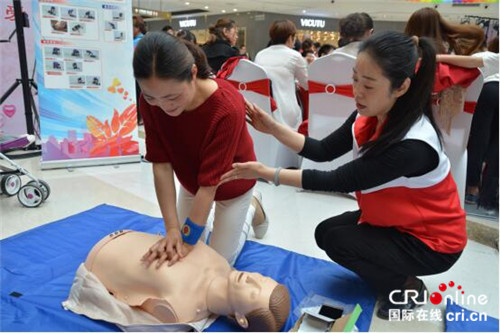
386,305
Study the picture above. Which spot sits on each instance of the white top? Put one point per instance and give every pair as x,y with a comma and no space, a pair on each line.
421,130
352,48
283,66
490,65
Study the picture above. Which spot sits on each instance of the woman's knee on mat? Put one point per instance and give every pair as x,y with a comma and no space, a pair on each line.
339,221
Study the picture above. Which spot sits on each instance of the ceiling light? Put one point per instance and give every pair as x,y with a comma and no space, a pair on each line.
187,3
223,10
206,7
304,11
235,9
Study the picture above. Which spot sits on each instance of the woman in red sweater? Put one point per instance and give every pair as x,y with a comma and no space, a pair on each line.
195,126
410,222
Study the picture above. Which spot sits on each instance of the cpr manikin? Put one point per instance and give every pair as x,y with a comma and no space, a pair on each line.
200,284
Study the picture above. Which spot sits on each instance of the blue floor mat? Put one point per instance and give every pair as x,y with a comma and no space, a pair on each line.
38,267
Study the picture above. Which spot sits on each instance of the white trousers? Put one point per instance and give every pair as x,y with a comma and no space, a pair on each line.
228,224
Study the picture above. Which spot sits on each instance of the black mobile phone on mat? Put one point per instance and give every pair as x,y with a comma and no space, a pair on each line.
331,311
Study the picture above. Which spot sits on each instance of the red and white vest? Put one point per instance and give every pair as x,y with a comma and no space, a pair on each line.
427,206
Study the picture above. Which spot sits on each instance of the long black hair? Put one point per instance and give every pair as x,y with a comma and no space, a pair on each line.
164,56
397,55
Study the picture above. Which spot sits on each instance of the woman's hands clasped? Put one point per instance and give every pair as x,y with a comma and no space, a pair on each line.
169,249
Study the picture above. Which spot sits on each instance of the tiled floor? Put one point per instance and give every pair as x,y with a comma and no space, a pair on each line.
293,215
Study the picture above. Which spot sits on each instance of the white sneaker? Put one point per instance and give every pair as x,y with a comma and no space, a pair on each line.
260,222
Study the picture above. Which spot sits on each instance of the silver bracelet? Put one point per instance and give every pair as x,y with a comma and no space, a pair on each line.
277,176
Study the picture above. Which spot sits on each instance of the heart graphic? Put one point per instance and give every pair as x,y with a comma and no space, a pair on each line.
9,110
120,90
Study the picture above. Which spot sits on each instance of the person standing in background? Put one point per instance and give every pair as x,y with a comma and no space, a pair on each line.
316,46
308,45
309,56
243,51
169,30
220,47
187,35
460,39
354,28
283,66
325,49
139,28
483,140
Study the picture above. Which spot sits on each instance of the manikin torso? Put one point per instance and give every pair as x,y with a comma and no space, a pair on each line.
182,287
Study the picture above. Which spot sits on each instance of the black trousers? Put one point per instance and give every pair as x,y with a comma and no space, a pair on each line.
483,141
383,257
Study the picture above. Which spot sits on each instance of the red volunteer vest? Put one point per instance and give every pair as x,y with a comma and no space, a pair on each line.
427,206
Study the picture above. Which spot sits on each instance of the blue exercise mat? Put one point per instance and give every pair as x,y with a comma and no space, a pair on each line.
38,267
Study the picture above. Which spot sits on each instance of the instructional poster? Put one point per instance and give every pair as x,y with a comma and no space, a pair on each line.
87,96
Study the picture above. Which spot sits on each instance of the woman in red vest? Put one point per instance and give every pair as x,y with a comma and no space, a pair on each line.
410,222
195,126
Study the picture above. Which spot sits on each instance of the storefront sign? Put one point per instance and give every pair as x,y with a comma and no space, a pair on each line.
187,23
311,23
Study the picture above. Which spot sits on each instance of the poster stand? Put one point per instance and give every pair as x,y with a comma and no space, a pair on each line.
87,102
27,84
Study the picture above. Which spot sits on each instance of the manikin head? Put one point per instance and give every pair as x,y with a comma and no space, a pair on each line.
260,304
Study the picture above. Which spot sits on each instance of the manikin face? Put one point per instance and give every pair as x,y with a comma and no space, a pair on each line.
172,96
231,35
248,292
372,90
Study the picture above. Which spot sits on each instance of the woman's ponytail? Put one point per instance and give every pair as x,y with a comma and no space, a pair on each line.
420,91
200,59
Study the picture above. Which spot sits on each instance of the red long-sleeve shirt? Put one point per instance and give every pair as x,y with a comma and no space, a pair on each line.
203,143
